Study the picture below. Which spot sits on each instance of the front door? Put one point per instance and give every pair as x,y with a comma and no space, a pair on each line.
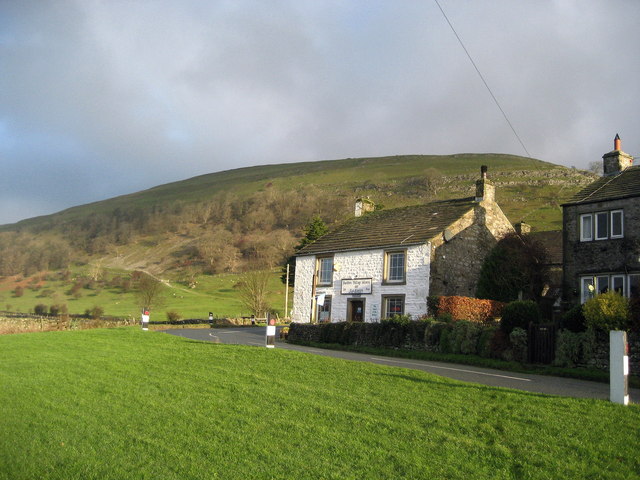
355,310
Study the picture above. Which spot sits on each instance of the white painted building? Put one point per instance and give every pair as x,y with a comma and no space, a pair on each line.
387,262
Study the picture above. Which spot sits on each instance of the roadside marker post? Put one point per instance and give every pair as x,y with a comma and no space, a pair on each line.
618,367
270,341
145,319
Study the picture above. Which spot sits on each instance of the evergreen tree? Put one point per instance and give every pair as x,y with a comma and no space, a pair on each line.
315,229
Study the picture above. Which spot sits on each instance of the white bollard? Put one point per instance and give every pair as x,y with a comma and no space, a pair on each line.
145,320
270,340
618,367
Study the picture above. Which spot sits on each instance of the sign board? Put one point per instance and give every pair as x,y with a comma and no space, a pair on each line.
356,286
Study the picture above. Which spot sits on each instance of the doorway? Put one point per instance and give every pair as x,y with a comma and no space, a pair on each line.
355,310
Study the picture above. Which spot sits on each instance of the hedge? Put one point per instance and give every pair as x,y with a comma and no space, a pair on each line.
467,308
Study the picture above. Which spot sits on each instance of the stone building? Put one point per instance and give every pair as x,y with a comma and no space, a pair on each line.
601,232
388,262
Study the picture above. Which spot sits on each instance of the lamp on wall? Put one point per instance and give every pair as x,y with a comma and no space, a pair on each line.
336,267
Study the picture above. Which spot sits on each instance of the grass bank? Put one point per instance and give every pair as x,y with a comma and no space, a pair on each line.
123,403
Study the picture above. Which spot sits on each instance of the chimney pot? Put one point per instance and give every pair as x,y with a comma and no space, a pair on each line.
617,144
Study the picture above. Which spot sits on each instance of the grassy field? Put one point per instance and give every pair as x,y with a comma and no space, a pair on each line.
126,404
214,293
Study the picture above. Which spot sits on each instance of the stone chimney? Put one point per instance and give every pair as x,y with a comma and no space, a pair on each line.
616,161
364,205
485,190
522,228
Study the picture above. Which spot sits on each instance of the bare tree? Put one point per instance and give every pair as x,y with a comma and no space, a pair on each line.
595,167
149,292
253,288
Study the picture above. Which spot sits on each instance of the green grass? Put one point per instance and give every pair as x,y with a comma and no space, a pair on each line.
214,293
126,404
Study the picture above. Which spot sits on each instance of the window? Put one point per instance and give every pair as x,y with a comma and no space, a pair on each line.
617,283
392,305
587,288
324,310
628,285
602,284
395,267
325,271
634,286
586,228
617,228
601,225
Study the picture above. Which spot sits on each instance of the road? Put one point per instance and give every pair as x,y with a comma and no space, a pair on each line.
496,378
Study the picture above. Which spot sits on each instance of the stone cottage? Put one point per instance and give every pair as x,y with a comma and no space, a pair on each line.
601,232
388,262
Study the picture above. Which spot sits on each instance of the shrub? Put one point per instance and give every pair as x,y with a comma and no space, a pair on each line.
432,305
18,291
95,312
574,320
607,311
40,309
467,308
574,348
56,310
518,339
485,341
173,316
519,314
432,334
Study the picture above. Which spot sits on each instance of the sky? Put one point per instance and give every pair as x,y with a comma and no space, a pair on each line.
104,98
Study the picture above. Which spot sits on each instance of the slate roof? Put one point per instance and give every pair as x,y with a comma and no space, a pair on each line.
623,185
392,228
552,241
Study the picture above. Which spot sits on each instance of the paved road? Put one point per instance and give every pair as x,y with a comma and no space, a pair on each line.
532,383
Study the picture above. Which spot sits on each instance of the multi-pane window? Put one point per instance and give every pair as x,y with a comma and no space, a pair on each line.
592,285
395,267
324,310
392,305
601,225
325,271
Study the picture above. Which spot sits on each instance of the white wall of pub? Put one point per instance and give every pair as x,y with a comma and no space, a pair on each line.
363,264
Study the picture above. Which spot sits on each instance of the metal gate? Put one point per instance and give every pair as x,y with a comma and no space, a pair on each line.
542,343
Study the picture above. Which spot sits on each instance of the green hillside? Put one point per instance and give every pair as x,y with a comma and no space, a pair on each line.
229,222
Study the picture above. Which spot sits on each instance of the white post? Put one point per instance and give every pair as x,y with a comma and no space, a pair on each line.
618,367
270,340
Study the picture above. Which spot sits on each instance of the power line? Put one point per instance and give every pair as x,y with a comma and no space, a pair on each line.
483,80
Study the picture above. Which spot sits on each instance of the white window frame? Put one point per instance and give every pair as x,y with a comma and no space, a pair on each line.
598,234
586,234
585,292
612,223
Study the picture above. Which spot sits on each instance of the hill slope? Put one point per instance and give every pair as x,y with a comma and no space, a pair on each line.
253,216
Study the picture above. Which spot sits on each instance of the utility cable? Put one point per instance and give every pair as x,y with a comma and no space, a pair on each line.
483,80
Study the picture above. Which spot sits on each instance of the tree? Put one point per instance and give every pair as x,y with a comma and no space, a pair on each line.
253,289
315,229
516,264
149,292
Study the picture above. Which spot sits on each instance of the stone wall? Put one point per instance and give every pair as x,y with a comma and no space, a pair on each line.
457,262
